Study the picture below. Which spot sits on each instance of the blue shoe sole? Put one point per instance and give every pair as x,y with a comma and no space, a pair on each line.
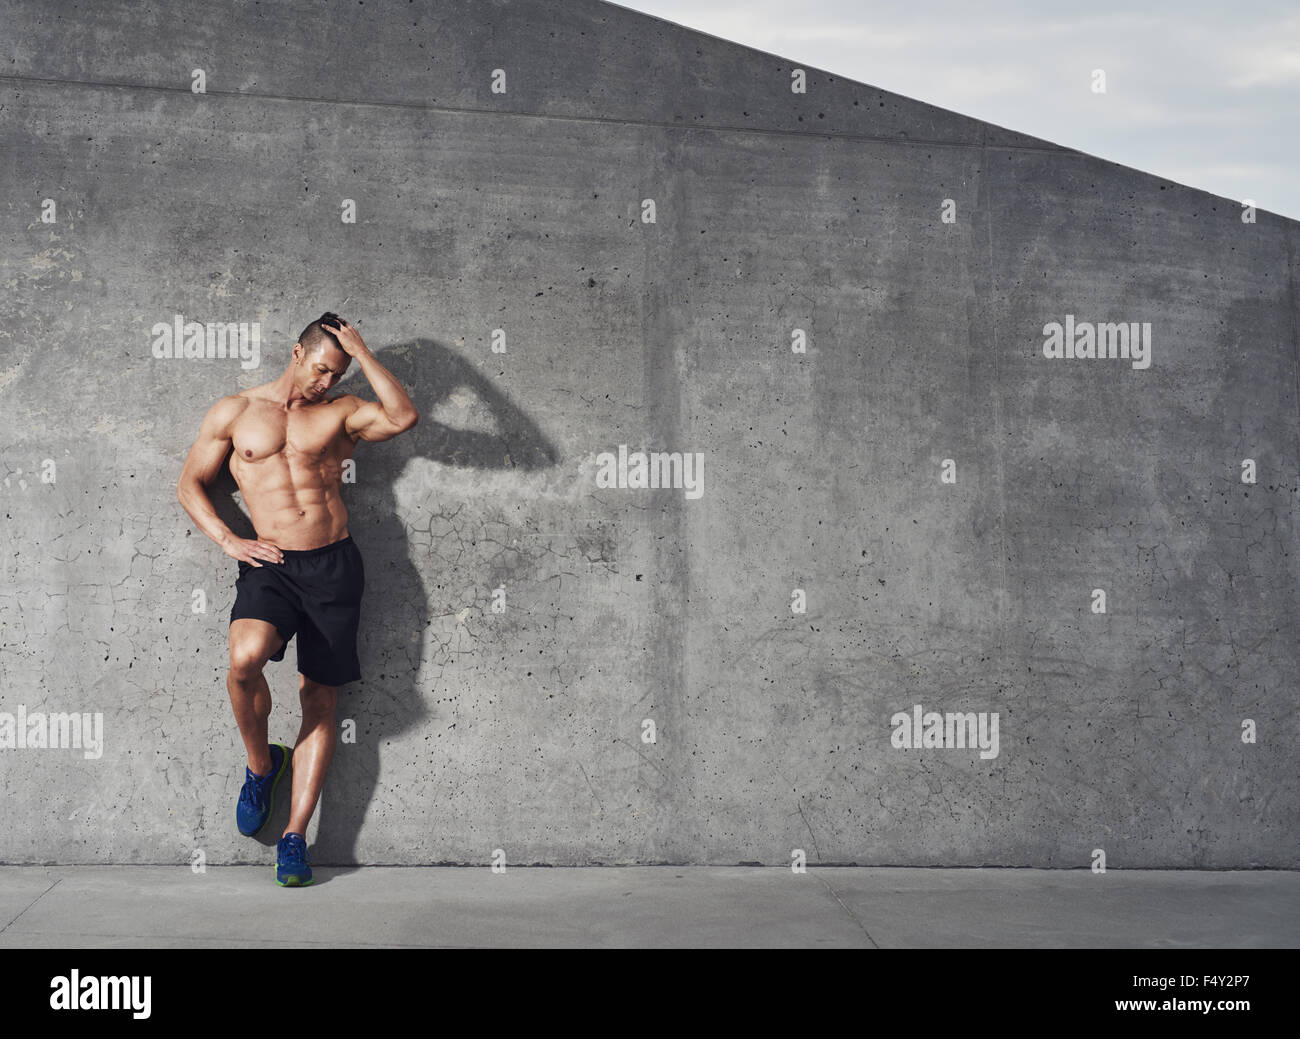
293,881
284,765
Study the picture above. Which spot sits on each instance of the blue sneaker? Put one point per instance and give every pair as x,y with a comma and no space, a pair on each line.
292,869
257,799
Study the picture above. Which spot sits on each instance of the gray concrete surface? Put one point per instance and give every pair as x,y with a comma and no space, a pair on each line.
648,906
521,212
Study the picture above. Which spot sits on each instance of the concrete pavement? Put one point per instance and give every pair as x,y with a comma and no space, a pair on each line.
647,906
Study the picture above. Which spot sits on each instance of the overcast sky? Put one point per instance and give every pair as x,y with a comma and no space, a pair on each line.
1204,94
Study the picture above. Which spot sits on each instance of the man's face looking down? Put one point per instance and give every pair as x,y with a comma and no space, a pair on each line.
320,370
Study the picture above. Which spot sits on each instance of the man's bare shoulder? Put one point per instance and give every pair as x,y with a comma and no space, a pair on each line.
262,392
237,403
222,414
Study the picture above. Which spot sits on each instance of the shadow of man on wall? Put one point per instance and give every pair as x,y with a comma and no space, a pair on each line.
390,699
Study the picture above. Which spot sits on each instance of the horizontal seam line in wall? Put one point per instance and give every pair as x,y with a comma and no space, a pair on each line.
236,939
453,109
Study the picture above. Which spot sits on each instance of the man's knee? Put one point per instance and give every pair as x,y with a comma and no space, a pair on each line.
249,654
246,664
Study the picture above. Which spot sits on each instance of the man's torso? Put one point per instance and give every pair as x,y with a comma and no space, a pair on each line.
289,468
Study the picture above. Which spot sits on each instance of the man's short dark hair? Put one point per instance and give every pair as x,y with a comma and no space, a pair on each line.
316,336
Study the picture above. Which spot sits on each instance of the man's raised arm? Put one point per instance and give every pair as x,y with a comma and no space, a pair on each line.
394,413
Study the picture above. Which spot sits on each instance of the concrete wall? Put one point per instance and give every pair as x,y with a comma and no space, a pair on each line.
824,471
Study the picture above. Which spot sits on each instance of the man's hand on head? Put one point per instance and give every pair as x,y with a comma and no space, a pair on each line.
350,341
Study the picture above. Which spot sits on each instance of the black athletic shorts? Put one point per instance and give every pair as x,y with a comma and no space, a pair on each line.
315,594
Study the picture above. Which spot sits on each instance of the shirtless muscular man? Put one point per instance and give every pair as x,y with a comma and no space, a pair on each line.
287,441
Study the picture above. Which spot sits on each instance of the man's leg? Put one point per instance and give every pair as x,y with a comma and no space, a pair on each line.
252,642
313,752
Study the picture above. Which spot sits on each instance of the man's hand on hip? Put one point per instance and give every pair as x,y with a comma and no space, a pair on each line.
250,551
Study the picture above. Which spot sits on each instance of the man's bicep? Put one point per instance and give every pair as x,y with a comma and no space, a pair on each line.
213,443
365,421
357,418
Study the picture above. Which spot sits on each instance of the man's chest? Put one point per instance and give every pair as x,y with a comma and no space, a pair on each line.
309,434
